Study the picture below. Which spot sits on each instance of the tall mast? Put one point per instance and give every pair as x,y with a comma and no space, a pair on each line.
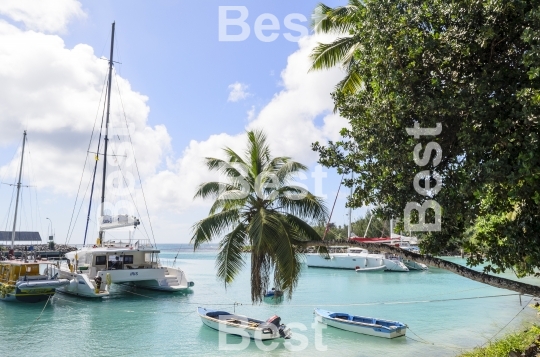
18,191
106,132
349,230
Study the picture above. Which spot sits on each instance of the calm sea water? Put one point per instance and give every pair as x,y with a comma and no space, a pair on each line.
145,323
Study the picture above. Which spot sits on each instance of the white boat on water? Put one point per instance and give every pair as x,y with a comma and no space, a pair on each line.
361,324
244,326
92,269
370,270
26,279
352,257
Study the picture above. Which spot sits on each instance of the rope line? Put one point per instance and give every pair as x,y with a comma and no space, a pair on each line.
68,235
519,312
136,164
408,302
33,323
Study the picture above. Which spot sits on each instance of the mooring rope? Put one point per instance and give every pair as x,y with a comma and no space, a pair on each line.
33,323
519,312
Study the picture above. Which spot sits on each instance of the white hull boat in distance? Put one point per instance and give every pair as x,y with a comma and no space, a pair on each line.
370,270
244,326
92,268
360,324
351,258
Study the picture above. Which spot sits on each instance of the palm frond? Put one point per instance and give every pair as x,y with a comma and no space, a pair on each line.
341,19
352,83
225,167
302,230
328,55
234,157
262,226
230,259
227,203
287,262
258,151
213,226
210,189
310,206
288,170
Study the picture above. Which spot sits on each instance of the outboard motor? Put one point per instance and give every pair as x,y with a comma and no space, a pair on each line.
282,329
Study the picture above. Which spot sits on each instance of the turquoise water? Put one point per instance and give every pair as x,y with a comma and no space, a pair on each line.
146,323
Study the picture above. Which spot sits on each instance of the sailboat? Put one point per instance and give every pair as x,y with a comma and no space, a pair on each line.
354,258
26,280
93,269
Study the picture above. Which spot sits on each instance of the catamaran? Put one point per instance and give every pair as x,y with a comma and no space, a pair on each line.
342,257
92,269
26,279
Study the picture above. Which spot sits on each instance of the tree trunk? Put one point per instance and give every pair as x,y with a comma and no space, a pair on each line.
492,280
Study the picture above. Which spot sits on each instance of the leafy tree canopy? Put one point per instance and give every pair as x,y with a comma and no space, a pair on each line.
474,67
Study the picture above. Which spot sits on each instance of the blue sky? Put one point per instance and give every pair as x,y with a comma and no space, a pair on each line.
186,93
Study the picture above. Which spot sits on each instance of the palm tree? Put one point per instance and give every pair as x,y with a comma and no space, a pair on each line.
257,206
341,20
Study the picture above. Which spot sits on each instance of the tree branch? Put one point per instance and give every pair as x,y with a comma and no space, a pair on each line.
484,278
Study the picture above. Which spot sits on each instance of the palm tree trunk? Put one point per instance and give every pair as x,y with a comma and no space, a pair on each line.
468,273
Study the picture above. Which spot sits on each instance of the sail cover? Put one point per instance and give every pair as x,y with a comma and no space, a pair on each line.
120,221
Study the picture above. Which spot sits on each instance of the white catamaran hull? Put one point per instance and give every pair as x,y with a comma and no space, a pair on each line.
352,261
163,279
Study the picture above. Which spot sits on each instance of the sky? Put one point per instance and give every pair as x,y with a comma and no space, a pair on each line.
190,78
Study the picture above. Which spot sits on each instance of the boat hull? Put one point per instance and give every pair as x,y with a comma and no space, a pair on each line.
30,291
412,265
371,270
28,297
162,279
352,261
239,325
371,329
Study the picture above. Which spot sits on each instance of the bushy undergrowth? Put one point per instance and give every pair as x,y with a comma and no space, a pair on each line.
517,341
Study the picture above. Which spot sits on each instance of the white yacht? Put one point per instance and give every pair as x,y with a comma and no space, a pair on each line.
92,270
353,258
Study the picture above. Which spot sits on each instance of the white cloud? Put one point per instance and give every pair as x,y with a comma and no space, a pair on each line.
238,91
42,15
289,120
54,92
251,113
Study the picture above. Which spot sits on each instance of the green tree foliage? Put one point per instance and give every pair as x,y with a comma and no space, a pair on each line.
474,67
256,205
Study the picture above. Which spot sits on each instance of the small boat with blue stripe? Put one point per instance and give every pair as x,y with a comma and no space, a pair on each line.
361,324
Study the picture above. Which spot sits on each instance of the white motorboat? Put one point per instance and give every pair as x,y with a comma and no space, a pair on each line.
361,324
352,257
244,326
